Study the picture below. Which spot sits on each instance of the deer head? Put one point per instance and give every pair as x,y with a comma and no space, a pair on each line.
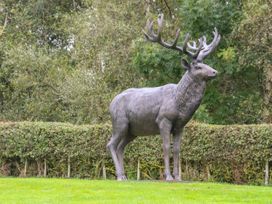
197,52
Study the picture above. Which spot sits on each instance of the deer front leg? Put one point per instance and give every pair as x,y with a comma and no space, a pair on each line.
165,129
176,154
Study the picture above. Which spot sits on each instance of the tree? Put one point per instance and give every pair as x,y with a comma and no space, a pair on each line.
49,45
254,36
49,50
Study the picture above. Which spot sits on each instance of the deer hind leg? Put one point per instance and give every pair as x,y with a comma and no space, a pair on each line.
176,154
120,131
120,152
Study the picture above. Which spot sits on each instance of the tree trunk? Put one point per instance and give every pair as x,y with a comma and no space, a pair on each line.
208,172
267,111
104,173
45,168
39,167
25,168
69,167
138,170
266,171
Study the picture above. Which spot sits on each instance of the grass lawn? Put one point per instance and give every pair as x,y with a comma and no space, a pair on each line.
52,191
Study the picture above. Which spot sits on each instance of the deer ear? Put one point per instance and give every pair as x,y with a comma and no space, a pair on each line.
185,64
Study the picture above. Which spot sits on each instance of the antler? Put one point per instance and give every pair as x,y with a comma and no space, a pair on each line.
195,52
207,49
151,36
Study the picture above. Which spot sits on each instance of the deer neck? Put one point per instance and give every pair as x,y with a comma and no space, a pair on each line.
189,93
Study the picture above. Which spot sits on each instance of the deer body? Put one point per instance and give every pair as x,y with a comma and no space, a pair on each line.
163,110
145,108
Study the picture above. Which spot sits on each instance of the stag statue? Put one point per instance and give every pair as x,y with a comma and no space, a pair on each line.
163,110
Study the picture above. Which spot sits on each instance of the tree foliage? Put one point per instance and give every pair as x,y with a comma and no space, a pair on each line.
65,60
254,37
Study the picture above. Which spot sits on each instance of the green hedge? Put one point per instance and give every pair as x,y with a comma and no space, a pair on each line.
233,153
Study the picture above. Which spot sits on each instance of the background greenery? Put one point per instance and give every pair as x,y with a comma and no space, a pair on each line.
64,60
223,153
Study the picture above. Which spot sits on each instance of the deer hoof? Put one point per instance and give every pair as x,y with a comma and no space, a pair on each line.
169,178
177,178
121,178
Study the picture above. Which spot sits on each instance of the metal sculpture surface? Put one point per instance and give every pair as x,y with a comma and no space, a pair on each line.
163,110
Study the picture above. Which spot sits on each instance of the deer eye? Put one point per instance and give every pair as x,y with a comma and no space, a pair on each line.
198,67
